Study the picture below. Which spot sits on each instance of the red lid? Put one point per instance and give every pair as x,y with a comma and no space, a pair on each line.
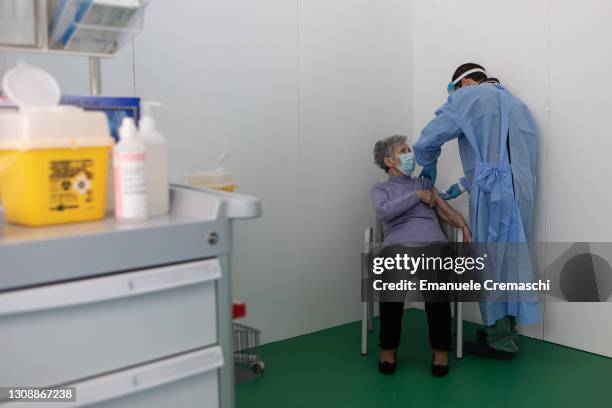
238,310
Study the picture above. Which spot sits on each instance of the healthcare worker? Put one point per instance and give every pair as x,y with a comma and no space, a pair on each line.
497,144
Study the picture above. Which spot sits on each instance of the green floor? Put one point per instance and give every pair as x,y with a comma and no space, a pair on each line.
325,369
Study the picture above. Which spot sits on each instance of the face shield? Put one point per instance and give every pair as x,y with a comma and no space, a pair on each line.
450,88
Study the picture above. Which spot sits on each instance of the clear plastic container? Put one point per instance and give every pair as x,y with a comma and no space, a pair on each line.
220,179
211,179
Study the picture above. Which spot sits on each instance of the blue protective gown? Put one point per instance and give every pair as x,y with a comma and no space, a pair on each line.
502,188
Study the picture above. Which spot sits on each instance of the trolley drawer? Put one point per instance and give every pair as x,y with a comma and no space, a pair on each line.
185,381
61,333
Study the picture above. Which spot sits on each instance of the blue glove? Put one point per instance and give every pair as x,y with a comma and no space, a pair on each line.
430,173
453,191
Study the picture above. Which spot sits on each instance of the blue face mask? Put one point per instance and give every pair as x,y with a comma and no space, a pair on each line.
406,163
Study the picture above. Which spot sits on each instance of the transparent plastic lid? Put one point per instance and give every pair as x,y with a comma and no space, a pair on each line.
30,87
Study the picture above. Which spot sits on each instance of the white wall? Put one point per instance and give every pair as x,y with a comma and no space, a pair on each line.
229,82
354,89
3,62
552,55
297,92
579,162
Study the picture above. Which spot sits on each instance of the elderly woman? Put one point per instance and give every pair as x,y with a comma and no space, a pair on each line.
409,209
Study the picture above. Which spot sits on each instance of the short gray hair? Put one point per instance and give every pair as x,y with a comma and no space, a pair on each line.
384,148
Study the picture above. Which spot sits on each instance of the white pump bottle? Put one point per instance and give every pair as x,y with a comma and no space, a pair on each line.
129,174
156,163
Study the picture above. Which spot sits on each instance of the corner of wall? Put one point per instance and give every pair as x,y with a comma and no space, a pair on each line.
412,72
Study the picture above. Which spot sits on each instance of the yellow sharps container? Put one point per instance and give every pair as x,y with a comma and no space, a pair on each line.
54,160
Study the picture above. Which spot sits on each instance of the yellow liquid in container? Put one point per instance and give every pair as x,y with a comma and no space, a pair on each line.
54,186
227,187
217,180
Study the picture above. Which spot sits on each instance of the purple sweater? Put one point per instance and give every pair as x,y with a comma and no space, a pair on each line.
405,217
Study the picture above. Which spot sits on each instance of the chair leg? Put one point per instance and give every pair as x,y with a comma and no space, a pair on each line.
364,328
370,315
459,321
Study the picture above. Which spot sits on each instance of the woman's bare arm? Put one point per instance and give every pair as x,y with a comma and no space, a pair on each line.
441,213
448,213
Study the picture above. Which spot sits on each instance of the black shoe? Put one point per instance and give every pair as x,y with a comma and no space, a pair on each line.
481,334
439,370
388,368
482,349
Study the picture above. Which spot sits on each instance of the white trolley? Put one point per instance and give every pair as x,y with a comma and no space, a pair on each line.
131,315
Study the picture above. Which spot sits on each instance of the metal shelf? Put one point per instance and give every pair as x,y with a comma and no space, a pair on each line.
43,21
43,18
45,50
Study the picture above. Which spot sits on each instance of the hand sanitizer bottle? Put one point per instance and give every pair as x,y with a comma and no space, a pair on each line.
129,174
157,163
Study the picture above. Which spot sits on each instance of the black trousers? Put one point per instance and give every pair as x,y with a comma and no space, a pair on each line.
437,305
438,319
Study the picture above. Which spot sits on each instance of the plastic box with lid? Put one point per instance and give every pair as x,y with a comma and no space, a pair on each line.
53,159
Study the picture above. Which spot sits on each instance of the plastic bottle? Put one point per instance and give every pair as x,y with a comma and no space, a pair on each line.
129,171
157,163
